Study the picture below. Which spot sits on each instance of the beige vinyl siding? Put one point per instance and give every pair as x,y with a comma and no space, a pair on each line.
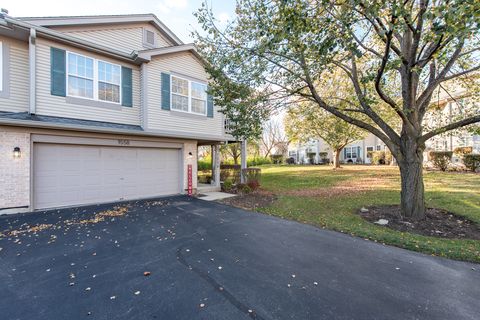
50,105
17,101
182,64
125,38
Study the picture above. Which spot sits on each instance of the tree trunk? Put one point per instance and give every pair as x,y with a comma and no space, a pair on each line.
411,172
336,159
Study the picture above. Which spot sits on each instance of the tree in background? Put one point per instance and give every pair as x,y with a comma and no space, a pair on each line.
394,53
272,139
305,122
231,150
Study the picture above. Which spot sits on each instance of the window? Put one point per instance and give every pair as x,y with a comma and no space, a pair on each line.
351,152
80,76
188,96
379,147
108,82
93,79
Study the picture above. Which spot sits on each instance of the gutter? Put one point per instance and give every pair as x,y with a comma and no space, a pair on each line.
32,54
86,128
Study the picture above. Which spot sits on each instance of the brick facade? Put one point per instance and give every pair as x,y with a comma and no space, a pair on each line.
14,172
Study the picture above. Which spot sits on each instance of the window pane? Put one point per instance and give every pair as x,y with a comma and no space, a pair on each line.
108,92
179,86
101,71
80,87
199,106
179,102
199,91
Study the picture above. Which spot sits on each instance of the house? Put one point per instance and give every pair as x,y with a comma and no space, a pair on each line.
99,109
317,151
444,109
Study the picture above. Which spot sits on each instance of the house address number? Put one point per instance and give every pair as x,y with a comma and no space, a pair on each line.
123,142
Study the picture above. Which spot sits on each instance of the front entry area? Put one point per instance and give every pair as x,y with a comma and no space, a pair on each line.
66,175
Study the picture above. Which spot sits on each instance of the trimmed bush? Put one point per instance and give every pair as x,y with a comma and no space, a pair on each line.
243,188
472,161
378,157
252,177
204,165
441,159
251,162
230,172
227,186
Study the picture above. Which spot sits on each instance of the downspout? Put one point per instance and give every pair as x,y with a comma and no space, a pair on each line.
32,68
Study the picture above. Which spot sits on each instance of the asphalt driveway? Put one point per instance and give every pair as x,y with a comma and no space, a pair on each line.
181,258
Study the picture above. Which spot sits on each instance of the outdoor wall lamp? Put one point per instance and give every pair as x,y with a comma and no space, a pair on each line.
190,155
16,152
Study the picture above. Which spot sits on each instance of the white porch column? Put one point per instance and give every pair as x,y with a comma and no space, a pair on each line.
243,161
216,165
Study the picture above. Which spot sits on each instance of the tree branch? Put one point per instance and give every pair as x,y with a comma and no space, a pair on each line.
451,126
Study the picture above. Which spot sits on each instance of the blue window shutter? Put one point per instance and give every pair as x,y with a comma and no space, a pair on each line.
345,153
209,106
57,72
165,91
358,153
127,87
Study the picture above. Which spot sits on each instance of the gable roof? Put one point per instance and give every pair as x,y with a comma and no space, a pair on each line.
103,19
189,47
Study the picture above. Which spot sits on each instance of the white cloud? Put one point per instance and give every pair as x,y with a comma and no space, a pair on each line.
166,6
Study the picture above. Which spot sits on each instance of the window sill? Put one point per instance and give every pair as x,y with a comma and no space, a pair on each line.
188,114
93,103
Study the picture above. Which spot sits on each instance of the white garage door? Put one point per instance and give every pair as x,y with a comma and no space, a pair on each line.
66,175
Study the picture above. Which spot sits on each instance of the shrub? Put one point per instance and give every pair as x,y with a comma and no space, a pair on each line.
251,162
230,171
290,160
254,184
472,161
277,158
204,165
441,159
378,157
243,188
252,174
227,186
461,151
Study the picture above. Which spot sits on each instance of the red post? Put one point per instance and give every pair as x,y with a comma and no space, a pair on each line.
190,187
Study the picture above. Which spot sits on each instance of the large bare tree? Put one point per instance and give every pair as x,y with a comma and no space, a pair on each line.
395,54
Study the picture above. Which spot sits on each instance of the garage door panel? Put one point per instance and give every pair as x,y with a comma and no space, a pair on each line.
74,174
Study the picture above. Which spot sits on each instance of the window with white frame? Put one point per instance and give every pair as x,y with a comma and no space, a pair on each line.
351,152
188,96
80,76
93,79
109,76
379,147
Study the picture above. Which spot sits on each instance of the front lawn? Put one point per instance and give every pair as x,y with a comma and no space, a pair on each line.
321,196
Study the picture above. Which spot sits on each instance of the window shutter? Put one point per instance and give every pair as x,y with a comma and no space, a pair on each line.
57,72
165,91
358,153
127,87
210,106
345,153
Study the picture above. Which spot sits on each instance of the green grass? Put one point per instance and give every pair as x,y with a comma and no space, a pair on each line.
323,197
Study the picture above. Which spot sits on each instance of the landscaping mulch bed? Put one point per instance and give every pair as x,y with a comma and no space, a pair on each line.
438,223
251,201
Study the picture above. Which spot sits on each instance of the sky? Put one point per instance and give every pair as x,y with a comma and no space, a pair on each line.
176,14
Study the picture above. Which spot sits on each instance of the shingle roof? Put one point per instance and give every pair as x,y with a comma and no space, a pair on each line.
62,120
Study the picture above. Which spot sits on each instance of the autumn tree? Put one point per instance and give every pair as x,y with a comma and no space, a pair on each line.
395,52
306,121
231,150
272,138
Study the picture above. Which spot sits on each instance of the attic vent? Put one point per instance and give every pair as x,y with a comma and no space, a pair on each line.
149,38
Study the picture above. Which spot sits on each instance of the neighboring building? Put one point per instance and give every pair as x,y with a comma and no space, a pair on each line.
317,151
357,152
99,109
